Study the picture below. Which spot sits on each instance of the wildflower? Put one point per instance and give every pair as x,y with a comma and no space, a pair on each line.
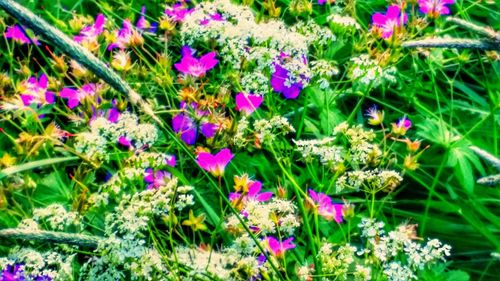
435,8
35,91
121,61
188,129
12,273
178,12
143,24
387,24
326,208
215,164
213,17
75,96
278,248
193,66
252,192
401,127
88,35
280,83
196,223
156,179
18,34
376,117
248,103
126,36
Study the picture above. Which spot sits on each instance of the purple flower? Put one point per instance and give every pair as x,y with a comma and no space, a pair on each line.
215,164
253,193
375,116
435,8
196,67
280,83
278,248
34,91
385,25
75,96
325,207
17,33
186,127
12,273
112,114
90,33
143,24
155,179
248,103
178,12
126,36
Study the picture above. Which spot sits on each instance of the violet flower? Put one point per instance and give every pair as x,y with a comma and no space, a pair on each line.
34,91
126,36
156,179
253,193
75,96
401,127
215,164
186,126
386,24
195,67
12,273
280,83
178,12
435,8
248,103
278,248
325,207
143,24
17,34
90,33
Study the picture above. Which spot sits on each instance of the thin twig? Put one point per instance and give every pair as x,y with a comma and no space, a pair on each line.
51,236
77,52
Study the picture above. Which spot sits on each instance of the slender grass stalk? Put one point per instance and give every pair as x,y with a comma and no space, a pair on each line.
51,237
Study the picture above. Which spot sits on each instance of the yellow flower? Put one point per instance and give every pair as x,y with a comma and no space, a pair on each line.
196,223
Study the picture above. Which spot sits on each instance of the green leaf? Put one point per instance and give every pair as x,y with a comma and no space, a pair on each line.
457,275
35,164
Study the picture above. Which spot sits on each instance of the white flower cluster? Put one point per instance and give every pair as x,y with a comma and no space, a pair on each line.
373,180
343,21
104,132
151,159
55,217
323,70
271,217
329,154
264,130
336,262
126,229
255,82
368,72
35,265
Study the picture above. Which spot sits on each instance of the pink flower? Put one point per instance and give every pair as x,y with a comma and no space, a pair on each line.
193,66
90,33
143,24
401,127
126,37
326,208
435,8
17,33
178,12
34,91
156,179
248,103
215,164
75,96
213,17
387,24
253,193
279,248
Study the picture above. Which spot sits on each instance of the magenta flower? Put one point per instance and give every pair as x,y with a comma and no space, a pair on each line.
143,24
213,17
325,207
248,103
215,164
435,8
90,33
34,91
155,179
178,12
125,37
278,248
387,24
196,67
401,127
280,83
112,114
253,193
17,33
75,96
